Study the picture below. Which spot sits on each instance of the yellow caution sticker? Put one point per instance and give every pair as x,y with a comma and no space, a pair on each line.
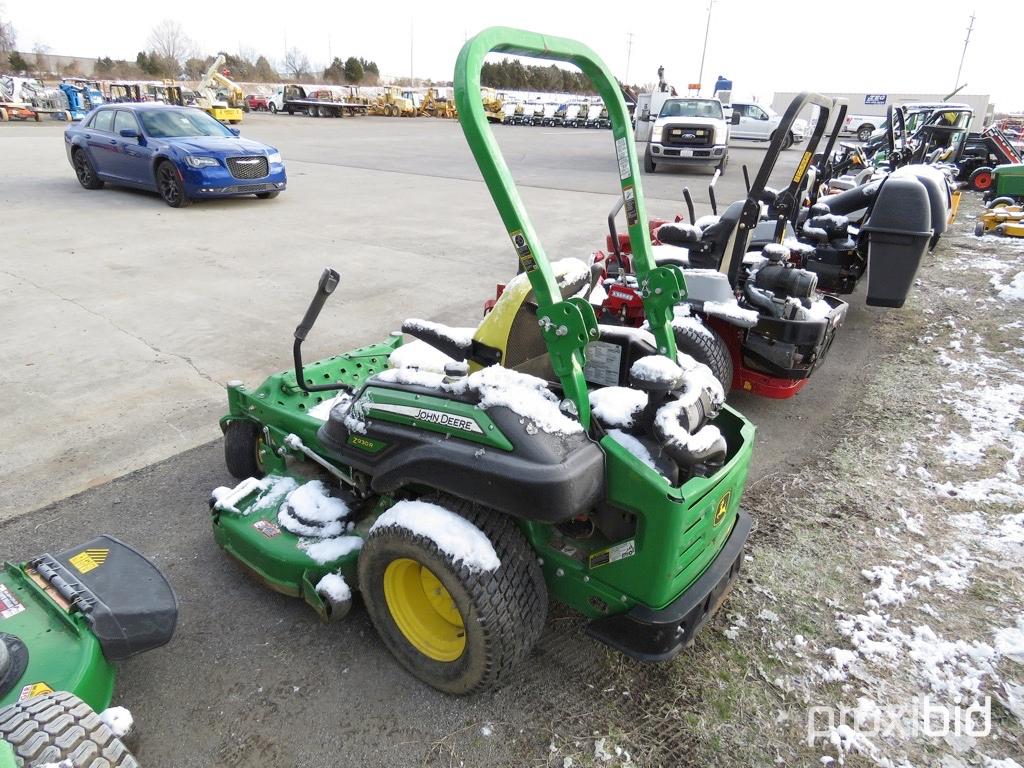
722,508
32,690
89,559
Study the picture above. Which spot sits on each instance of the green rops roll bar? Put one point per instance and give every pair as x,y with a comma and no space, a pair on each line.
567,325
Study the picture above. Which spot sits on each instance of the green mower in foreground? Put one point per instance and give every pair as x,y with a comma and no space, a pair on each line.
459,480
64,620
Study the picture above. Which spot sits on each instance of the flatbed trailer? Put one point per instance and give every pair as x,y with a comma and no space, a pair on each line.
323,107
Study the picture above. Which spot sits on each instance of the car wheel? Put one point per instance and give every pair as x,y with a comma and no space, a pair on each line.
649,166
267,195
864,132
84,171
170,186
311,111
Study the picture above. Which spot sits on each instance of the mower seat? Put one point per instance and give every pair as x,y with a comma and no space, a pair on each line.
764,233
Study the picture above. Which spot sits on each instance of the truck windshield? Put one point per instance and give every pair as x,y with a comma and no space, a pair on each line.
174,123
711,108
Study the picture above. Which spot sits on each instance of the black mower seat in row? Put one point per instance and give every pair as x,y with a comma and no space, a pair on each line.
125,599
764,233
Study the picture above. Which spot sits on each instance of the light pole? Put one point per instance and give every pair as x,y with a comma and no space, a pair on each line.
703,53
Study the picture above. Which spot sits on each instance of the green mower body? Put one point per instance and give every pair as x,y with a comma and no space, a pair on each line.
646,553
1007,181
65,620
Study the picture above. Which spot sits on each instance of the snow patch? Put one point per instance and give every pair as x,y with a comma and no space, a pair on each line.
322,411
521,393
453,534
119,720
617,406
334,587
459,337
632,445
731,312
323,551
419,354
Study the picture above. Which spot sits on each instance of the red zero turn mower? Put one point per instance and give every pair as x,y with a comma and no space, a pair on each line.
752,316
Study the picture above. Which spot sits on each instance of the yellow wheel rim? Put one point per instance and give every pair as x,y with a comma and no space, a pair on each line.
424,610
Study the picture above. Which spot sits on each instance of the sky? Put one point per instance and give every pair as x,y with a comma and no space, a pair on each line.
787,45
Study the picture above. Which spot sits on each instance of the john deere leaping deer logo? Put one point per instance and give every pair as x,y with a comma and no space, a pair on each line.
723,507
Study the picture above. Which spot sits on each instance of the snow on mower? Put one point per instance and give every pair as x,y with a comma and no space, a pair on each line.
460,480
752,316
64,621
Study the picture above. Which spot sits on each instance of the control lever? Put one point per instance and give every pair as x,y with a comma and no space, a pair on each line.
329,280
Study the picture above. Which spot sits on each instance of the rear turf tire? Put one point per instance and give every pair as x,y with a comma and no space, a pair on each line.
242,443
35,728
502,611
708,348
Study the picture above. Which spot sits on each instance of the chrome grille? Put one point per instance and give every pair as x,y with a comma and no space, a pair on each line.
248,167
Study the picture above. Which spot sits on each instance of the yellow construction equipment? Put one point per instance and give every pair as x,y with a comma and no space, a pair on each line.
434,106
391,103
228,110
1002,217
493,106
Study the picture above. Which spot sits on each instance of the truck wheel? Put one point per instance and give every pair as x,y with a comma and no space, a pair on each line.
243,441
705,346
273,108
84,171
4,117
980,180
311,111
60,726
649,166
458,630
865,131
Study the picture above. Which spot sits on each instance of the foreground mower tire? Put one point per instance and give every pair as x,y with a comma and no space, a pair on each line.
458,630
709,348
980,180
60,726
242,443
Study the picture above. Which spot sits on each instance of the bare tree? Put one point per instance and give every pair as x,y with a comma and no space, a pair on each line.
8,37
169,41
41,51
296,63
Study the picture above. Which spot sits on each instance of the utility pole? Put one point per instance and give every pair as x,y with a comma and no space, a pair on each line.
970,28
629,53
703,53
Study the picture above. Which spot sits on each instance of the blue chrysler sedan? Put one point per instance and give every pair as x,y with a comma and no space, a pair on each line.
179,152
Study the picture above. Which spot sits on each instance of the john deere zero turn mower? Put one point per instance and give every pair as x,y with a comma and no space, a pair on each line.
64,620
459,480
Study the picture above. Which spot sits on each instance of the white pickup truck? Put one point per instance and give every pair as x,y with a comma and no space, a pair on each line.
755,122
687,131
862,125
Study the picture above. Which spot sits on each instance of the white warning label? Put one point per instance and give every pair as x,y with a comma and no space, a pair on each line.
622,155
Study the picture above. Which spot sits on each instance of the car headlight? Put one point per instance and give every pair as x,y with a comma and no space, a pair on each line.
656,133
198,161
274,157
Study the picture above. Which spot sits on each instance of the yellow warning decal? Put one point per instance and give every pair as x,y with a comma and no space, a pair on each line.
722,508
804,162
32,690
89,559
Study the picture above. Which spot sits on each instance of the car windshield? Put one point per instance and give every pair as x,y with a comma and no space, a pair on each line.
692,108
174,123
